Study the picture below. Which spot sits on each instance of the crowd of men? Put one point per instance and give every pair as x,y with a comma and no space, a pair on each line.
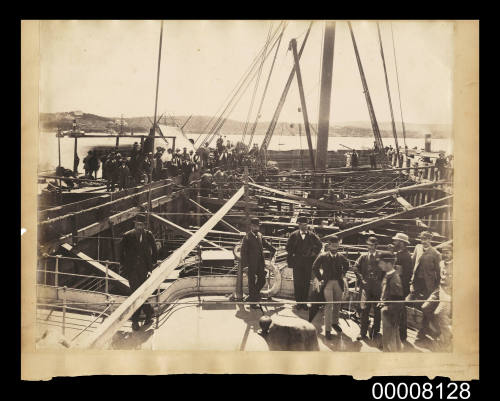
138,167
389,280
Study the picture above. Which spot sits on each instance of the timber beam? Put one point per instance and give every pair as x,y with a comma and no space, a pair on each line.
116,278
222,221
181,230
305,201
103,335
99,226
395,191
419,211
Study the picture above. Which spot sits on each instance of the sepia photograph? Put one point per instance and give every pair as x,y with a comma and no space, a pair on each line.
248,187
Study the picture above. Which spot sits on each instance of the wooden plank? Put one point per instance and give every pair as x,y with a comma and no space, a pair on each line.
103,335
414,212
395,191
222,221
100,226
219,202
100,267
408,206
181,230
304,201
283,200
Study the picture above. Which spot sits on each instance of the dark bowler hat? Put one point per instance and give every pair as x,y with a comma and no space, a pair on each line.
302,219
372,241
386,256
140,218
334,239
255,221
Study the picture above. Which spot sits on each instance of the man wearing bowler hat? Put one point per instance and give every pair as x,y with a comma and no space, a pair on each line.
425,278
252,256
370,276
303,247
138,255
403,266
392,290
329,269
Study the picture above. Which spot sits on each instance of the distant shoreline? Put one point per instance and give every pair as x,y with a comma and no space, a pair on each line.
91,123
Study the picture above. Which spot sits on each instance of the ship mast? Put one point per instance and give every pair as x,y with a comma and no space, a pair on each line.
371,111
152,132
325,96
388,92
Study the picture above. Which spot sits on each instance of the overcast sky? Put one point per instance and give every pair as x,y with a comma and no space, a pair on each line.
109,68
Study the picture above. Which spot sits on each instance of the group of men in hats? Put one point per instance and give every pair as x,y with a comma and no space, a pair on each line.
388,280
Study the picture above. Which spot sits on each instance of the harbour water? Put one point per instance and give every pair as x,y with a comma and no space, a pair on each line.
48,153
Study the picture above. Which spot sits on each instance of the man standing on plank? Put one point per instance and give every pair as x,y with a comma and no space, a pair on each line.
303,247
138,255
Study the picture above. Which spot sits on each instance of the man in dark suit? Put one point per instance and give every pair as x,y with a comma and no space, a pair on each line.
138,255
370,276
252,256
392,290
328,270
404,267
303,247
425,277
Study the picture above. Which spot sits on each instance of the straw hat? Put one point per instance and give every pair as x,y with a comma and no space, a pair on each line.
401,237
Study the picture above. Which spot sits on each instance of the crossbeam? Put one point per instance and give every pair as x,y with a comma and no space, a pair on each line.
305,201
222,221
103,335
395,190
117,278
422,210
181,230
408,206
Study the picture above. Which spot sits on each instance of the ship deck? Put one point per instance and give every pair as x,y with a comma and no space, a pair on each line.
207,324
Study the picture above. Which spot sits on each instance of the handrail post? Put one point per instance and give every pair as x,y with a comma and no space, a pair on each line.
64,311
45,271
199,273
106,280
157,308
57,272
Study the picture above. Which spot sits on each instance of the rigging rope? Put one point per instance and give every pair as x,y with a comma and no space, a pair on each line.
399,92
252,132
388,91
217,125
256,83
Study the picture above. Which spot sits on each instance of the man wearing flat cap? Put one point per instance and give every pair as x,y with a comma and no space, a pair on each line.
370,276
404,267
425,278
252,256
138,255
303,246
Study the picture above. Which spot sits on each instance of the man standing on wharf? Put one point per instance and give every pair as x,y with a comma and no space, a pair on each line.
138,255
252,256
302,247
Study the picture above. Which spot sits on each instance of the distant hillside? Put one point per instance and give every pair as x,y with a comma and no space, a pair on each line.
197,124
